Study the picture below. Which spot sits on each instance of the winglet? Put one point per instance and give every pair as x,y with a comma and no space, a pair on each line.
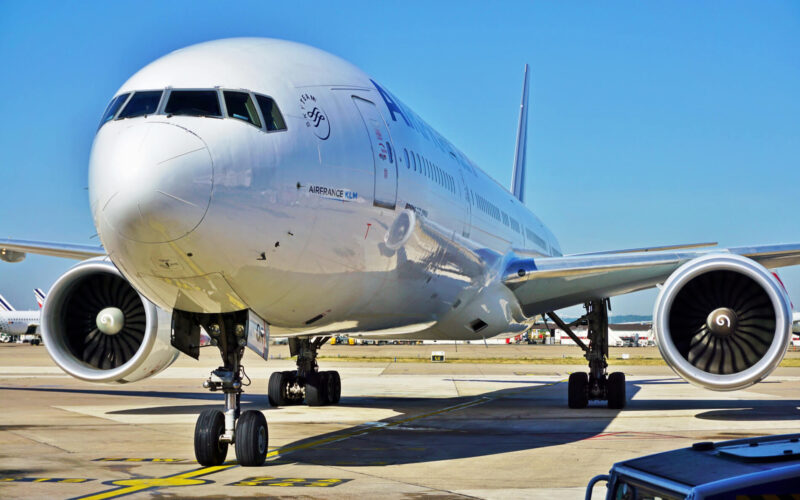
40,296
5,306
518,178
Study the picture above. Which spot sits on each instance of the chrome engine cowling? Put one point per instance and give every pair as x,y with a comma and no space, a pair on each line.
98,328
722,322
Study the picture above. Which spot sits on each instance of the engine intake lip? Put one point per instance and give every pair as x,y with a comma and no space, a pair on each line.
737,264
53,316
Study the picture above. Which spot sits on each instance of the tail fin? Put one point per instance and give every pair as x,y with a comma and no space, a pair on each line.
5,306
518,178
40,296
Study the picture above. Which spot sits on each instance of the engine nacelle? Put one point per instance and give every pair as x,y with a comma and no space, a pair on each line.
98,328
722,322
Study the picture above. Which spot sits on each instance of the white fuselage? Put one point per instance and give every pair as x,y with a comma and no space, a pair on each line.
216,215
19,322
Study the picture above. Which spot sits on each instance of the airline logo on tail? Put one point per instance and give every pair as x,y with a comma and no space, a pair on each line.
4,305
40,296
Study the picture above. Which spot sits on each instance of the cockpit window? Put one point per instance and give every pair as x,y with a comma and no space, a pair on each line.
193,103
142,103
241,106
113,107
271,113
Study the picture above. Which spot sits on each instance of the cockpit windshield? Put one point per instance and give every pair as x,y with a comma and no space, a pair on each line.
193,103
241,106
271,113
142,103
113,107
217,103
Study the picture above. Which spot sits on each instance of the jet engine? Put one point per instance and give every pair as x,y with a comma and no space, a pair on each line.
98,328
722,322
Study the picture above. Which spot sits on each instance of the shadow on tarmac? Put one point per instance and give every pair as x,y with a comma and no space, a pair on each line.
430,429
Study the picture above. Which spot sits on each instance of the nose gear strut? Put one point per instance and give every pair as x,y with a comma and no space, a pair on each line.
215,430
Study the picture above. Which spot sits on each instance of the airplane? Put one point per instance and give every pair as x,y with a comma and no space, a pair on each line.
15,323
257,187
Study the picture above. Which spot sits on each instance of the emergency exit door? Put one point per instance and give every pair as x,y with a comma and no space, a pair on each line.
383,155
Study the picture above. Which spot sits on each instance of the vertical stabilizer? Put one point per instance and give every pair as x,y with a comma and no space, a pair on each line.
40,296
518,178
4,305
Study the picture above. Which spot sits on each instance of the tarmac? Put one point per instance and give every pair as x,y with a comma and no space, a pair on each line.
412,430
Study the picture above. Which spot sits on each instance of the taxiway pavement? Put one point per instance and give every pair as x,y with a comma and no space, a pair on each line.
402,430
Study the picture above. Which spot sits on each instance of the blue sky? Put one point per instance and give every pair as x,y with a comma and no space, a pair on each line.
651,122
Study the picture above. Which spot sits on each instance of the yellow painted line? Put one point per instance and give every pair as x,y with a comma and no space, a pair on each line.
129,486
45,479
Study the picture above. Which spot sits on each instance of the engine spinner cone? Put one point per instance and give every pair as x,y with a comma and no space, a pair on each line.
110,320
722,322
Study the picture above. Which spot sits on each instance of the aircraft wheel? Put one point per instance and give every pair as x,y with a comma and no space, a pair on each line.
276,390
316,389
334,387
208,449
578,390
615,387
252,437
291,378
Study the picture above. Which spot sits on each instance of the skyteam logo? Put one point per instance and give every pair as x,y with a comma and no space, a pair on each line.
315,116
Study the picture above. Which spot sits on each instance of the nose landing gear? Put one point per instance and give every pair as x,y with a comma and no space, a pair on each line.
307,384
215,430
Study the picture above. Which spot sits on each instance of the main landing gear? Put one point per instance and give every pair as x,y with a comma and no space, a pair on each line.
597,384
215,430
307,383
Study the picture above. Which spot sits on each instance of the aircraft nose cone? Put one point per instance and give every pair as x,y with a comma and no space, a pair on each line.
156,179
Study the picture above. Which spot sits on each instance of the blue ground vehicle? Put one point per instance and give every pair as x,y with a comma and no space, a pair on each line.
743,469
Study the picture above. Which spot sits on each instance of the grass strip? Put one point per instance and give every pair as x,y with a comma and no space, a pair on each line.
787,362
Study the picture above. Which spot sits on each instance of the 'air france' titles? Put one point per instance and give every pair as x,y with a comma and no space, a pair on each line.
333,193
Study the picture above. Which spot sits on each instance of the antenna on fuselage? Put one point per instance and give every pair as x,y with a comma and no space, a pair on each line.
518,177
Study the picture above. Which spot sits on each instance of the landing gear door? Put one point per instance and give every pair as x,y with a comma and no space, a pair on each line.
383,154
257,335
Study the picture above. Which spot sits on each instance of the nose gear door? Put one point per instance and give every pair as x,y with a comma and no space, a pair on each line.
382,152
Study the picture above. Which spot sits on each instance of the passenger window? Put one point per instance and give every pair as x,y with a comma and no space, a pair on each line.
193,103
142,103
408,164
419,162
271,113
241,106
113,107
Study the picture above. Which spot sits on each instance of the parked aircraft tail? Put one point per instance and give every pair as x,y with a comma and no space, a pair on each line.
40,296
4,305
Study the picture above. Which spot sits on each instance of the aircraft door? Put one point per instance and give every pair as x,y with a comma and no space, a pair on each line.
383,154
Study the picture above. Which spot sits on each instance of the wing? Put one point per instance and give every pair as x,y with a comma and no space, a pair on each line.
544,284
15,250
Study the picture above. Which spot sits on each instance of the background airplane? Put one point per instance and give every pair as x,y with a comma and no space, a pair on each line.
21,324
297,196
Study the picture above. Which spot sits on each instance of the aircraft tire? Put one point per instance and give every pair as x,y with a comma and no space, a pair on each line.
334,387
207,447
291,378
316,388
578,390
615,387
252,438
276,389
